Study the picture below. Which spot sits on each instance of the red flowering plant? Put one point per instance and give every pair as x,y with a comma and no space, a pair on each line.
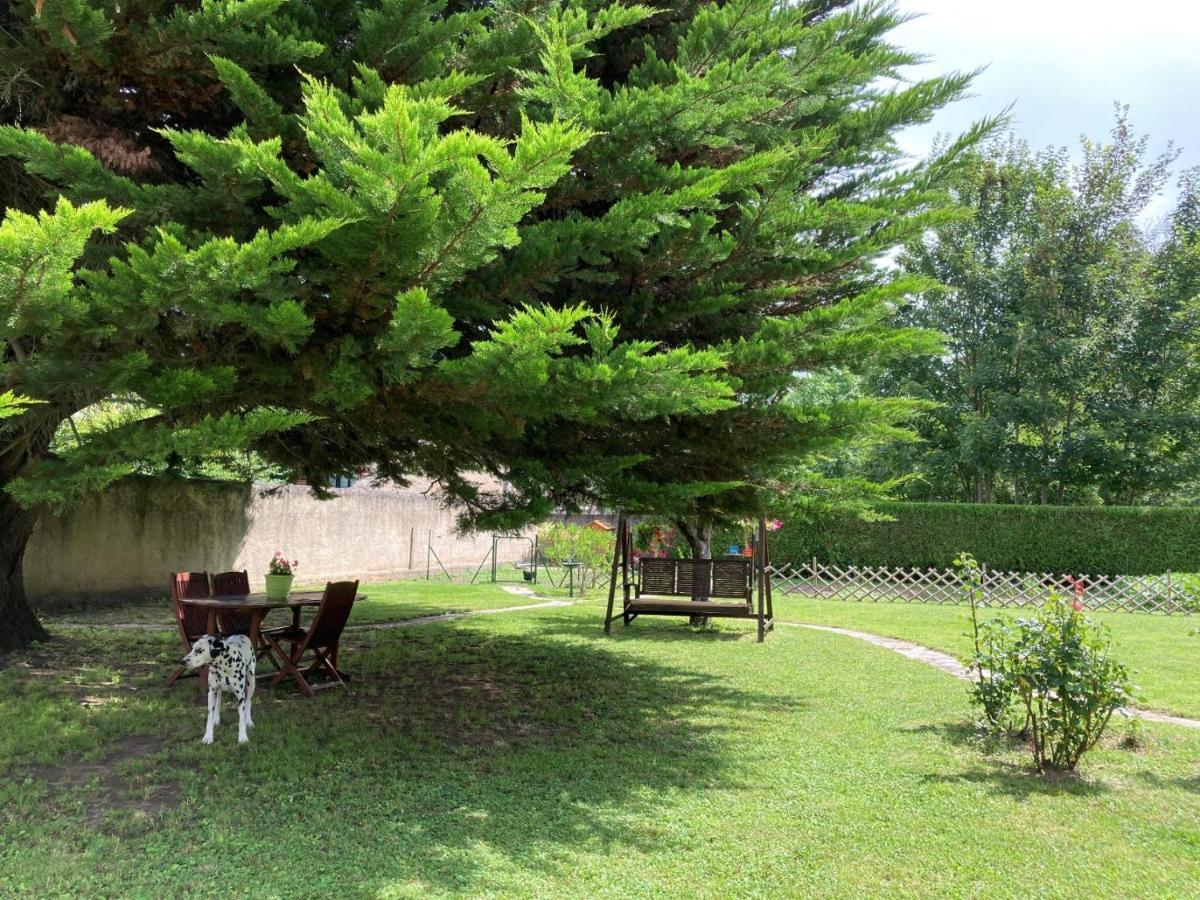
1078,589
281,566
1050,677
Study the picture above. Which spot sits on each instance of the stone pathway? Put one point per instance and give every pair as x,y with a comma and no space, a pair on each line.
949,664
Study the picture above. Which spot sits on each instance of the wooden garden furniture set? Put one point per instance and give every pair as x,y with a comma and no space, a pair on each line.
222,604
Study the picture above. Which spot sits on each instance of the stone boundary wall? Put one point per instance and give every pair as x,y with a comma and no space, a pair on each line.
124,542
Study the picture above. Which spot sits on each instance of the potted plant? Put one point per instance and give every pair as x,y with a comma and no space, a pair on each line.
280,573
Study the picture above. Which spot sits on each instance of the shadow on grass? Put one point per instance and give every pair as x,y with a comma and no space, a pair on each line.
460,760
656,628
1020,780
1187,782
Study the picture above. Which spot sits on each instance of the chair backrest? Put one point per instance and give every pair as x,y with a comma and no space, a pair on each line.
231,584
193,621
733,578
332,614
696,578
657,575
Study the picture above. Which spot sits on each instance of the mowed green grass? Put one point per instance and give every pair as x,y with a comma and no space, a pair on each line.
525,754
1161,651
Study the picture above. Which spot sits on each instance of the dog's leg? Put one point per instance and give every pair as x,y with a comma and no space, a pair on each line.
243,715
214,711
251,683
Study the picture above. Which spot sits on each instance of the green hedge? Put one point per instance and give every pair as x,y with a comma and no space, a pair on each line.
1060,539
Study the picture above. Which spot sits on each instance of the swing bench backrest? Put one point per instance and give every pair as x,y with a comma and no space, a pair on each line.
699,579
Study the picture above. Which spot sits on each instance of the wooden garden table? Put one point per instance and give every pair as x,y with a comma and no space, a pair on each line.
256,605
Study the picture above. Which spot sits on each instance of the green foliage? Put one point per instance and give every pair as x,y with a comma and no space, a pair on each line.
1051,678
586,249
992,688
12,405
1059,540
1071,367
576,543
1063,674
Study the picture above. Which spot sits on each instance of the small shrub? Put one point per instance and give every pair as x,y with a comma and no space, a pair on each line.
1055,673
592,548
1064,675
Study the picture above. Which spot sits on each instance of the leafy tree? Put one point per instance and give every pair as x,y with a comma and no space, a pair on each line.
585,248
267,268
1069,374
742,182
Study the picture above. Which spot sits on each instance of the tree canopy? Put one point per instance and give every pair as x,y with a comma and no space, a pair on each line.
586,248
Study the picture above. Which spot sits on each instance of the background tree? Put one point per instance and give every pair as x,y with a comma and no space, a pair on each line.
742,182
1069,375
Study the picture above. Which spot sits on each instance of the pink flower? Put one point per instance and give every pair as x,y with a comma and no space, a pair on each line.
1077,606
278,553
295,562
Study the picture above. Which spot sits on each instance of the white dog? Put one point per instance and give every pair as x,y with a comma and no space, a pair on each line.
230,664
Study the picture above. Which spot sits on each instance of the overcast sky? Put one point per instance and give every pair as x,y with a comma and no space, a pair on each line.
1062,64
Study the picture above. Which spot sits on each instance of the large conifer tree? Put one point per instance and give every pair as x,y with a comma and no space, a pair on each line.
586,248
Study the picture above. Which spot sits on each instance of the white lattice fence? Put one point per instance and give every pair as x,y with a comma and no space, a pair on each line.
883,584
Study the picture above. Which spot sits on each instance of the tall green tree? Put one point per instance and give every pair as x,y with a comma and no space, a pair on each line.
244,267
586,248
1069,373
742,183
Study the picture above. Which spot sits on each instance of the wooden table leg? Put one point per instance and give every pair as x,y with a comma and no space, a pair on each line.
256,617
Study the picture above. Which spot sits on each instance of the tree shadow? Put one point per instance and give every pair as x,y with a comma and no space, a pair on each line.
655,628
453,746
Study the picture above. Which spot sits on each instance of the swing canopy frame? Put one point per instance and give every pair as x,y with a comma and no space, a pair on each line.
675,586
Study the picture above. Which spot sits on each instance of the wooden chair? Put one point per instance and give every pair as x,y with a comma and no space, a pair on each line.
232,584
320,639
192,621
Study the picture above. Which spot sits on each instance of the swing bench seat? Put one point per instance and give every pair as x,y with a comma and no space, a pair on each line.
713,588
660,581
661,606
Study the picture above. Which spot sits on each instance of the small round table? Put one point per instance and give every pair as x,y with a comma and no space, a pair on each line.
571,565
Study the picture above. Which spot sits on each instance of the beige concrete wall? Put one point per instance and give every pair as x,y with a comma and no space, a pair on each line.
126,540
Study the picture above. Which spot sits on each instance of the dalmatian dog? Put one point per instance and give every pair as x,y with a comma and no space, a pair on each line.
230,664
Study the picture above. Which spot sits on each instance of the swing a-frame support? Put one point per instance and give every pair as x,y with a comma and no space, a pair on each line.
718,588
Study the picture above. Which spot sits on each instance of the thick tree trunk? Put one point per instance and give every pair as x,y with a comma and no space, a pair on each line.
19,627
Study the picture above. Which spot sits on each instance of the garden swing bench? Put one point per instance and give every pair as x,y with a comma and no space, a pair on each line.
719,588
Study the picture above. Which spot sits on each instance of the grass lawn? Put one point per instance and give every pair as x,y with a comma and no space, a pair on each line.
1164,657
526,754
